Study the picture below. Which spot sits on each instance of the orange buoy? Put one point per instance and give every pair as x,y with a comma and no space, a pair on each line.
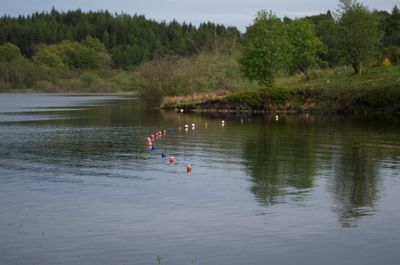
189,169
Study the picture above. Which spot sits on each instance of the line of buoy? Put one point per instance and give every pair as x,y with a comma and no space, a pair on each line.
158,134
172,160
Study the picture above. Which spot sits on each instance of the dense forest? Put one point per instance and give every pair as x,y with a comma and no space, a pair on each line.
130,40
100,51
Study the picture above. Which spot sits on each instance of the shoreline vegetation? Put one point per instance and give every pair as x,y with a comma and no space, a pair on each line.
343,62
329,91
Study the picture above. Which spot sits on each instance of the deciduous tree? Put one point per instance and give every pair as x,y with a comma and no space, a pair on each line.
305,46
357,36
266,48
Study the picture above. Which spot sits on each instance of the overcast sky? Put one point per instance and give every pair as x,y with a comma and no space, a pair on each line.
238,13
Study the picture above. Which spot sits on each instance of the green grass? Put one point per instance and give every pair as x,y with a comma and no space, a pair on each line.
332,90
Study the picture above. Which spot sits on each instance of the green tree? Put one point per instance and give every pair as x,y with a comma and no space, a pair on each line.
106,39
325,27
77,56
15,70
266,48
94,44
9,52
305,46
50,56
392,28
358,35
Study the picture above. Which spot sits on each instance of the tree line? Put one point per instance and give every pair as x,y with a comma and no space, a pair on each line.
353,35
129,39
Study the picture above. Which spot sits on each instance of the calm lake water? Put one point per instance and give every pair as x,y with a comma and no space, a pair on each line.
78,185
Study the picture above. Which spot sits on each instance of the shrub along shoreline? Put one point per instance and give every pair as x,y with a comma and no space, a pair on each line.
332,91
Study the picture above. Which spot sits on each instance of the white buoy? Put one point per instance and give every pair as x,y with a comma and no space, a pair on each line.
276,117
193,125
181,110
186,126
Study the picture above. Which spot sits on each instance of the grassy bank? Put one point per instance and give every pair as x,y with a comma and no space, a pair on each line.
332,90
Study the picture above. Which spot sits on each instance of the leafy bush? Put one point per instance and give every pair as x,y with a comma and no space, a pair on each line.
179,76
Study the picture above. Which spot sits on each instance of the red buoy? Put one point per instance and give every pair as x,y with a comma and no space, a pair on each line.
189,169
172,160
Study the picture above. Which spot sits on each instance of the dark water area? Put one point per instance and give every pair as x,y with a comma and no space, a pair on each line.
78,185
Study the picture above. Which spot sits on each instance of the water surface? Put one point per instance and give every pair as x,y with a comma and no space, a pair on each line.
78,185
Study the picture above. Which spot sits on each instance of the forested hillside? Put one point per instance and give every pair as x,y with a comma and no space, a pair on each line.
130,40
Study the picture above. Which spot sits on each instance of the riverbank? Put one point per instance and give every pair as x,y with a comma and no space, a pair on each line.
332,91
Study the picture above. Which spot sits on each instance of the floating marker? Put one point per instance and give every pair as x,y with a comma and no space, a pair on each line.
163,154
165,132
276,117
186,126
189,169
222,123
241,121
153,147
206,125
170,130
181,110
172,160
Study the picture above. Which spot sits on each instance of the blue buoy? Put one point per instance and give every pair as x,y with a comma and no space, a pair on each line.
153,147
170,130
163,155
